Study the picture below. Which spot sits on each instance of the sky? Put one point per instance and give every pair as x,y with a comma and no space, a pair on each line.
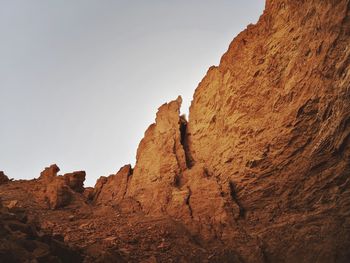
81,80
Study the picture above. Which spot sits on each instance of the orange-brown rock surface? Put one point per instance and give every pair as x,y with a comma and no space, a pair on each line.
273,120
75,181
111,190
160,161
57,191
260,172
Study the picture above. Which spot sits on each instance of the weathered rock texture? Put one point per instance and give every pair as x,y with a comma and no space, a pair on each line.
259,173
75,181
265,154
273,120
160,161
111,190
59,191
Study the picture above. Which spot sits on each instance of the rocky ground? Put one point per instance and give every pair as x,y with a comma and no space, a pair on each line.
100,233
23,240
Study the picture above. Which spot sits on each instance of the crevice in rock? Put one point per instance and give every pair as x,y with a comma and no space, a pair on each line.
343,141
343,145
235,199
131,172
177,181
188,199
178,176
264,254
184,141
128,179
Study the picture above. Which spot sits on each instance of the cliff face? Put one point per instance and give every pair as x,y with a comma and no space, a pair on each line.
266,149
259,173
273,119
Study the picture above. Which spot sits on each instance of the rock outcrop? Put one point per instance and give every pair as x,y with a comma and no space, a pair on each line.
75,181
160,161
59,191
49,173
111,190
3,178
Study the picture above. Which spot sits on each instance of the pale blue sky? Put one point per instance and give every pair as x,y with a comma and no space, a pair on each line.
81,80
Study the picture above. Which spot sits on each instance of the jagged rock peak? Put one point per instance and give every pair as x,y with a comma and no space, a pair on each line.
160,159
49,172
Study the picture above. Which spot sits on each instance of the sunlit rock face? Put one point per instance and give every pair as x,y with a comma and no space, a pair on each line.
160,160
112,189
269,128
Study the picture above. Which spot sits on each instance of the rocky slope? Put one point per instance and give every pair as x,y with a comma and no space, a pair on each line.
22,240
259,173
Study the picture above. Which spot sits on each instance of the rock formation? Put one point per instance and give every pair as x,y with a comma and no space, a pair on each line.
75,181
160,161
260,172
267,140
49,173
58,191
3,178
111,190
273,120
